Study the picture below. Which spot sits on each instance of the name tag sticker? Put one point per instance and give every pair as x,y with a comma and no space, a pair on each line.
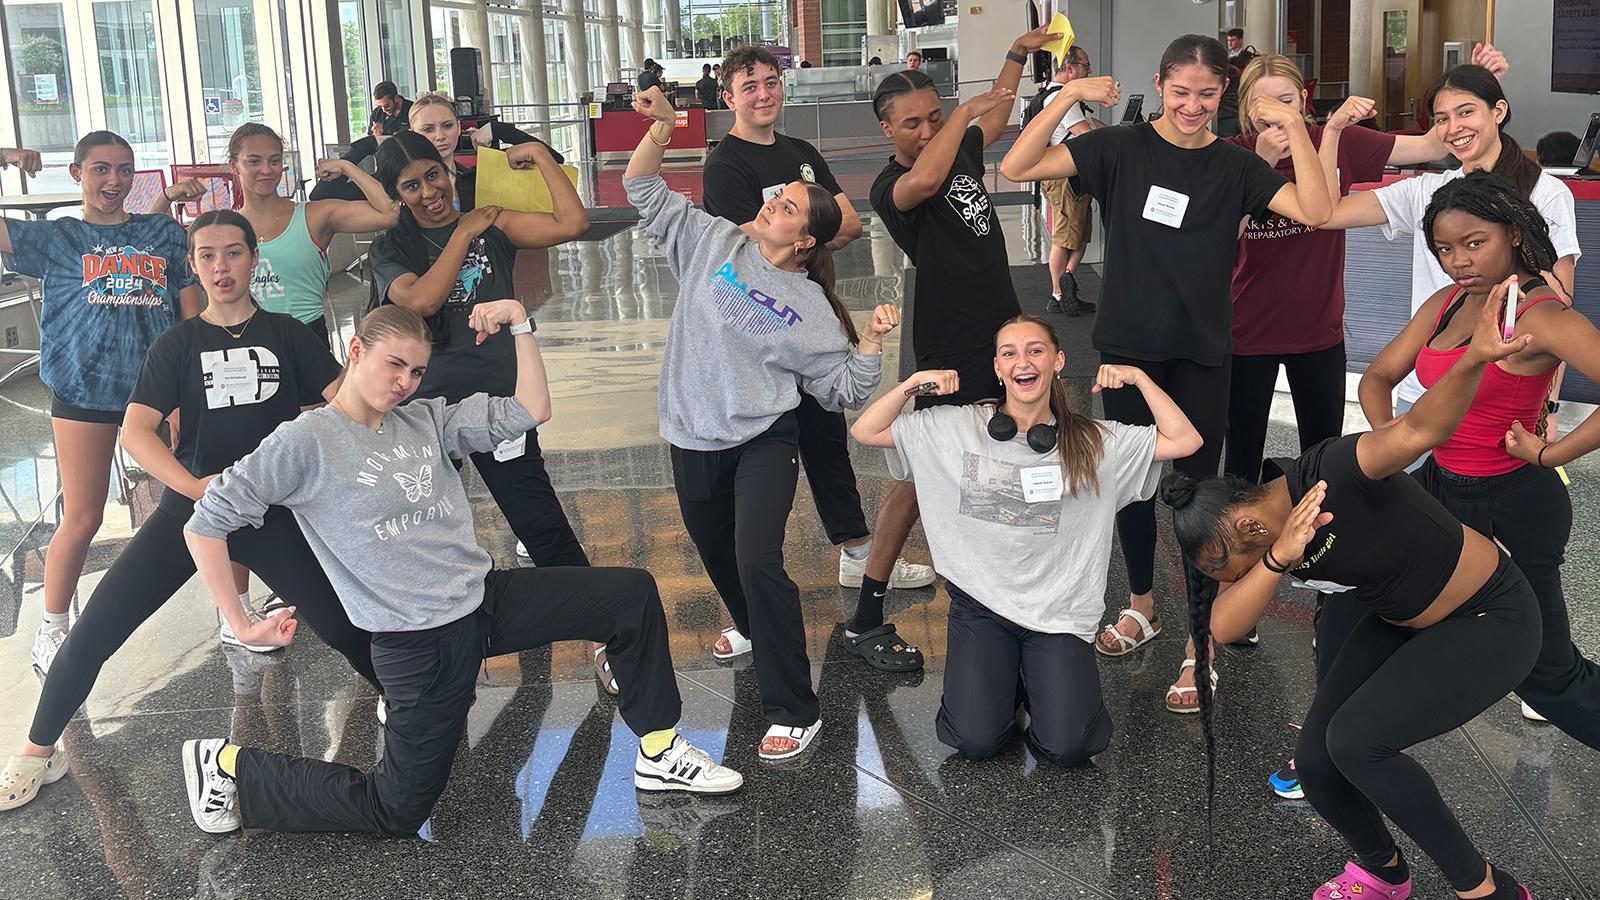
767,193
512,449
1326,587
1165,206
234,375
1041,484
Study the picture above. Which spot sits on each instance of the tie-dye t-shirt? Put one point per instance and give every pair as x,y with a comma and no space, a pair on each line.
109,292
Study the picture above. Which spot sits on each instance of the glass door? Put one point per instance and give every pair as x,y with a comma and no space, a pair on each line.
227,48
130,78
1396,48
41,79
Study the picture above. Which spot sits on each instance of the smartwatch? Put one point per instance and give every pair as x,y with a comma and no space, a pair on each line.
523,327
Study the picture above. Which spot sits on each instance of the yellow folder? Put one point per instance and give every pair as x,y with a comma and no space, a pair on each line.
519,189
1062,42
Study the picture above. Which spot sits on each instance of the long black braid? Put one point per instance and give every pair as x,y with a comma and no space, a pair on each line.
1494,199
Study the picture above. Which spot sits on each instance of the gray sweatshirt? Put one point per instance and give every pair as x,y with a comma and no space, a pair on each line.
746,336
383,511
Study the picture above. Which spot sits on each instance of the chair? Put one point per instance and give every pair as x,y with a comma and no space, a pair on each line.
148,184
222,189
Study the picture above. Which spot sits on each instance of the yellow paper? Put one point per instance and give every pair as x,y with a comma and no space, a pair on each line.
519,189
1059,45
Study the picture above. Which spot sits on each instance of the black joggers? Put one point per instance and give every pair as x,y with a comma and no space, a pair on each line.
152,568
1316,384
521,488
1390,688
430,680
735,506
996,665
1202,393
825,452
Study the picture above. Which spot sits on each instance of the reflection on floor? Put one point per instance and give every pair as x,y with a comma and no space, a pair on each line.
541,804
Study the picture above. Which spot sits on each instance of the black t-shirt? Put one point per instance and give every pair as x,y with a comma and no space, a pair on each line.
231,393
1172,231
741,176
1390,544
393,124
460,366
963,289
647,80
706,87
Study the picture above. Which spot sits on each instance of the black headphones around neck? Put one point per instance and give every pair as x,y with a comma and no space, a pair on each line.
1041,437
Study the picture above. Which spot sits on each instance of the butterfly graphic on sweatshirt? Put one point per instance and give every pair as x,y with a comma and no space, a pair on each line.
417,486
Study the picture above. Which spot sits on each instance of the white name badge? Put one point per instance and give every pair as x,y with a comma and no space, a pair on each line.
234,375
509,450
1166,207
770,191
1041,484
1326,587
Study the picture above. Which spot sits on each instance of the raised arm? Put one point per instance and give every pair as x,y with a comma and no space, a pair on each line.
533,386
1353,110
840,382
646,158
426,293
378,212
995,120
849,223
1307,200
1031,157
1569,336
1176,436
933,165
1435,417
567,220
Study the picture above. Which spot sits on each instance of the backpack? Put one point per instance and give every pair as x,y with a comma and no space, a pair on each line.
1037,101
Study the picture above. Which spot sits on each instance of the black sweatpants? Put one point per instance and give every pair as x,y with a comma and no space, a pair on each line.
430,680
994,665
521,488
1202,393
735,505
154,565
1316,384
825,453
1391,688
1530,513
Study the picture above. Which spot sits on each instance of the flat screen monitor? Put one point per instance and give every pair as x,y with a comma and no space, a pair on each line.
1134,109
917,13
1575,47
1590,145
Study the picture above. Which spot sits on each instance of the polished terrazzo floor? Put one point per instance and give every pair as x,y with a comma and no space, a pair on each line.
541,803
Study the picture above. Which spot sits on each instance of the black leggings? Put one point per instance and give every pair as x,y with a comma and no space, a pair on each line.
1202,393
152,568
735,506
995,665
430,681
521,488
1316,384
825,451
1391,688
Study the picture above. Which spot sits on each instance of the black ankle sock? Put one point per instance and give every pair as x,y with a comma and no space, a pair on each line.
869,609
1505,887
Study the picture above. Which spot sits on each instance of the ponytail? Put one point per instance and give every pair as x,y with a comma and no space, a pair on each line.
819,268
822,223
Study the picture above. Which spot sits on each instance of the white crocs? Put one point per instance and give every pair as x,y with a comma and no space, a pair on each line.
22,776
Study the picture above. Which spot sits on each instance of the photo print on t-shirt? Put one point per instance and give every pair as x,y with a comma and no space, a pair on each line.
239,376
971,202
473,270
991,491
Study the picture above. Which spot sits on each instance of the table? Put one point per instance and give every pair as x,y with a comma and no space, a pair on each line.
37,206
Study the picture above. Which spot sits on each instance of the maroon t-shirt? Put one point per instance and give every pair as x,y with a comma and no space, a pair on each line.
1288,280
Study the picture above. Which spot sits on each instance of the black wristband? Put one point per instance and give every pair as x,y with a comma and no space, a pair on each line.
1016,57
1272,564
1541,455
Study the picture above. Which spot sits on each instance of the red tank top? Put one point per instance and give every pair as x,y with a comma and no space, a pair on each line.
1477,447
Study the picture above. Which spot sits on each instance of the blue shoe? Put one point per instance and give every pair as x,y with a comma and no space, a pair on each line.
1286,783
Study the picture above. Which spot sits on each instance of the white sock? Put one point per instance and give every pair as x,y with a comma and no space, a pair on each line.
54,622
859,552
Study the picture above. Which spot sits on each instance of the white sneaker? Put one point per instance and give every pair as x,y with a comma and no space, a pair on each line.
22,776
731,644
213,797
46,644
906,576
383,712
225,632
1531,714
683,767
522,551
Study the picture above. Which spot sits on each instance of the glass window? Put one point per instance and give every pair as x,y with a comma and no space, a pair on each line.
355,66
38,46
597,61
125,35
505,60
394,41
230,70
449,32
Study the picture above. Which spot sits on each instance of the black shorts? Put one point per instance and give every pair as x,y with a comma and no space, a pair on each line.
61,409
976,370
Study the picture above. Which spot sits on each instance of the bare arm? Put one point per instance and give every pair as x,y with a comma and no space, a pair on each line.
994,121
1306,201
1411,149
533,387
5,236
1031,157
646,158
1355,210
216,572
567,220
1567,335
933,166
1176,436
873,427
1240,606
1437,414
140,439
426,293
1395,361
849,222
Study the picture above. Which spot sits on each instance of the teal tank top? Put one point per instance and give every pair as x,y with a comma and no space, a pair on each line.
292,275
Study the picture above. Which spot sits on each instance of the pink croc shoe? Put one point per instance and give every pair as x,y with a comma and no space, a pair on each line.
1356,883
